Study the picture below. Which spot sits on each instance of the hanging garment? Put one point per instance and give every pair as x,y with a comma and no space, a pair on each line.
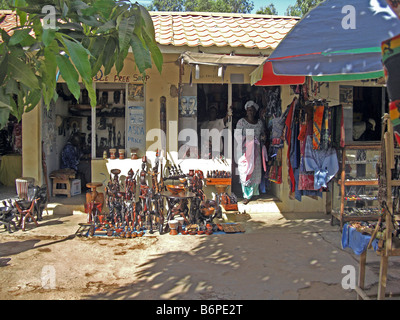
325,132
394,112
288,137
324,163
277,129
337,124
318,117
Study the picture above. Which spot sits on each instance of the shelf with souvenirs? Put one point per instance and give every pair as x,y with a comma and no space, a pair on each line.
355,190
383,235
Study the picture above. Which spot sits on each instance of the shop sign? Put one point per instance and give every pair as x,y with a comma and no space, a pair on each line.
135,77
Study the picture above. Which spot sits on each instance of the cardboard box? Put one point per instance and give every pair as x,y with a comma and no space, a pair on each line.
75,187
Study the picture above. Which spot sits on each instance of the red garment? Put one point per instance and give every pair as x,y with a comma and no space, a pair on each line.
288,124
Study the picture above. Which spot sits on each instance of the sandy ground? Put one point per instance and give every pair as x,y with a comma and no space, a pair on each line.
278,257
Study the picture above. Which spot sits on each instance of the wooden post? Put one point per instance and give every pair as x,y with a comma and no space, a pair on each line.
361,273
342,187
383,276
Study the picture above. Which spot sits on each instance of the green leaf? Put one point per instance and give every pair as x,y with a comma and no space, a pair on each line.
4,116
19,36
11,87
22,72
78,5
32,100
64,10
106,27
156,54
4,100
148,21
125,32
80,57
91,92
69,74
49,71
108,55
119,63
48,36
102,7
4,35
3,69
141,54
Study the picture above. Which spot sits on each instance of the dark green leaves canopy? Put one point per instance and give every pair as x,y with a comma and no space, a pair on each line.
88,35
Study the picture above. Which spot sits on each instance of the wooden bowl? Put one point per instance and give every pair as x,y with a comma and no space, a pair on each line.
175,189
115,171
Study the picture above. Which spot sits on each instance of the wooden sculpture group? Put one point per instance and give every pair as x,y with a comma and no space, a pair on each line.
135,207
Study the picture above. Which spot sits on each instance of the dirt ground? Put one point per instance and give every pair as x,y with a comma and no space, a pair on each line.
278,257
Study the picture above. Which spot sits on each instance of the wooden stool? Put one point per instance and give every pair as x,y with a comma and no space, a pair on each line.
94,200
62,181
25,209
61,186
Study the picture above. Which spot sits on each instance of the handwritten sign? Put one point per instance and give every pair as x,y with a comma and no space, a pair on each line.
136,136
135,77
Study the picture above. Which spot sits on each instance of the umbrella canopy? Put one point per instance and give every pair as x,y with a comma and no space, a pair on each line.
337,40
264,76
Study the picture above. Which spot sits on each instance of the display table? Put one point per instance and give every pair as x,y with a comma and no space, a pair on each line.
10,169
356,241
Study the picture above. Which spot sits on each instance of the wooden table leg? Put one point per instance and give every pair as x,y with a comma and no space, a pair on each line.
383,277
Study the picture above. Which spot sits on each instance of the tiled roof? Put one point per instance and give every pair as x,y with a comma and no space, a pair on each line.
220,29
206,29
9,21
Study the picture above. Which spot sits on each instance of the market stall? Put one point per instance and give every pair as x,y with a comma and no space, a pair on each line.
383,235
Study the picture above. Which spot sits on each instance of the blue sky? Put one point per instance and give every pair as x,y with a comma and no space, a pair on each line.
280,5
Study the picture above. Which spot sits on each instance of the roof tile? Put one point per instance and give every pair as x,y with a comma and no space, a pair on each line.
220,29
211,29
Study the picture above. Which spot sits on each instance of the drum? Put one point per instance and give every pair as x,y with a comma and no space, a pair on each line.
22,185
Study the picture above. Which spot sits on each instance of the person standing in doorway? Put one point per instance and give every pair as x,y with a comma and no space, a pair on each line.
250,163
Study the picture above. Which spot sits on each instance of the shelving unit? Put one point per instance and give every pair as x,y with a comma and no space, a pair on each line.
355,193
389,220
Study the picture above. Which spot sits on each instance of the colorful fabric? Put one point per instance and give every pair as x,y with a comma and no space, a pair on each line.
391,61
288,137
250,190
317,125
394,111
325,131
249,166
324,163
355,240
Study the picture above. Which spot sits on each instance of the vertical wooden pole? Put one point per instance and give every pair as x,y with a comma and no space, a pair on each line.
361,272
383,276
342,187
